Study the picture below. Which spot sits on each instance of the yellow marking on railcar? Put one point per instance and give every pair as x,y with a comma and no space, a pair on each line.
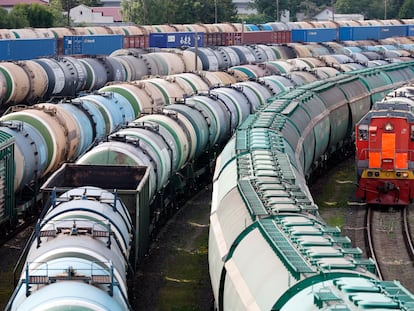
378,174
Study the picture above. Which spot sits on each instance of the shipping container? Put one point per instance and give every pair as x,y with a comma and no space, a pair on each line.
176,39
219,38
4,49
253,37
23,49
92,45
347,33
314,35
410,30
136,41
392,31
282,36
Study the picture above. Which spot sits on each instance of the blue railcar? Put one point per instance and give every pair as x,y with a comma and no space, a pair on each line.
410,30
4,49
349,33
392,31
92,44
22,49
176,39
314,35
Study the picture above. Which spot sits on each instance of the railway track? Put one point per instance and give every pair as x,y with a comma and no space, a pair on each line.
389,240
10,249
355,226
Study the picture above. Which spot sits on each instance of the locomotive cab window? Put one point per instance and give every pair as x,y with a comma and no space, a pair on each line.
363,132
412,133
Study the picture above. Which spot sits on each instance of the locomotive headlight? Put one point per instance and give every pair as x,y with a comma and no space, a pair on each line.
389,126
402,174
369,174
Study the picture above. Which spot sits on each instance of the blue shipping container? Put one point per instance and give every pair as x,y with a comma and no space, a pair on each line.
349,33
314,35
22,49
410,30
92,44
4,49
175,39
393,31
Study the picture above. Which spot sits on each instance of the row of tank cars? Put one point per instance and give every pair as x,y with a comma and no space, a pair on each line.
86,240
35,80
28,43
268,249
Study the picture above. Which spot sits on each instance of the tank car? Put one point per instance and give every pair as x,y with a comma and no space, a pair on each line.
79,257
268,248
271,155
384,156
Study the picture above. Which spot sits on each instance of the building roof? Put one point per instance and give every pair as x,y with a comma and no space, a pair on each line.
10,3
108,11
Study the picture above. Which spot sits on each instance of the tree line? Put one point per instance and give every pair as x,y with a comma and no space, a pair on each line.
144,12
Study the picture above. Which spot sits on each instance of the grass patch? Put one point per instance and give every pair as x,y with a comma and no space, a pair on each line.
184,278
333,191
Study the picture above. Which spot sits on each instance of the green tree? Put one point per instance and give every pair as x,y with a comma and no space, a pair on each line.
56,8
252,18
40,16
134,11
407,9
177,11
91,3
33,15
4,18
269,8
68,4
370,9
18,16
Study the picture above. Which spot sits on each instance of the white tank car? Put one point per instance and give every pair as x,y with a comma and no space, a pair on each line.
79,257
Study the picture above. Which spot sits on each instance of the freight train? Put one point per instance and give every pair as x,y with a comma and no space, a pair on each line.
30,43
268,248
33,81
384,157
81,253
29,80
177,146
261,171
46,79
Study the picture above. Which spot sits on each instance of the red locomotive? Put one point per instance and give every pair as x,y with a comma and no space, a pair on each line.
385,153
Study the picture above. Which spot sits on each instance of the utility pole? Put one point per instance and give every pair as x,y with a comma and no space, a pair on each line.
215,11
68,8
277,10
